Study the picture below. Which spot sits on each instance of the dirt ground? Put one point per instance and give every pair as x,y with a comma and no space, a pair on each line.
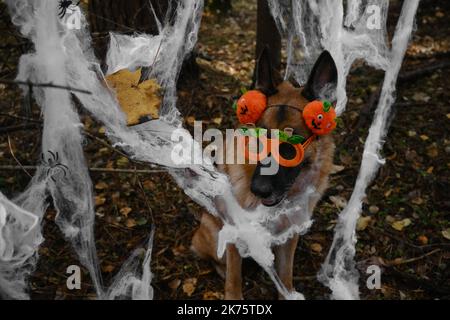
406,212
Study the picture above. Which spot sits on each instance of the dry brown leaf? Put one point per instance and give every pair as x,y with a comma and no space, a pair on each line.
422,240
130,223
211,295
189,286
101,185
174,284
109,268
99,200
125,211
138,101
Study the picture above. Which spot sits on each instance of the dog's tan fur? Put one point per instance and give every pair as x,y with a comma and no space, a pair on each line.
319,156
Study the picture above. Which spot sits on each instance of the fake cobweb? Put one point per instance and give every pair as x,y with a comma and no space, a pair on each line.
65,57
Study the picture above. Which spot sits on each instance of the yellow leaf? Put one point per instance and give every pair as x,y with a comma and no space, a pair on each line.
217,121
189,286
362,223
316,247
122,161
424,137
137,101
446,233
400,225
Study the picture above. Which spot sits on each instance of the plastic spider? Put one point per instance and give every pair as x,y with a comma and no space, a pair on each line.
64,5
52,164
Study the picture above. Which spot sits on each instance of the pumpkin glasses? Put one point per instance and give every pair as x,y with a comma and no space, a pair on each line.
287,154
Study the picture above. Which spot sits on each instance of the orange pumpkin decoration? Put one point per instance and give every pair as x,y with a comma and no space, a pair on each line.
250,106
320,117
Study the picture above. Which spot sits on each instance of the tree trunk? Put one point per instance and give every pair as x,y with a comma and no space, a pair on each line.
267,35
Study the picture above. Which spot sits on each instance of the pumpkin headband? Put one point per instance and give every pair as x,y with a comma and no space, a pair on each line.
319,116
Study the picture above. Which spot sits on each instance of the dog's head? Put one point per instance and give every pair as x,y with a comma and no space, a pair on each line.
288,103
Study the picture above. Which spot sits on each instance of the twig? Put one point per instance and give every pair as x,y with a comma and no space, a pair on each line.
46,85
145,199
421,71
100,170
18,162
18,127
397,262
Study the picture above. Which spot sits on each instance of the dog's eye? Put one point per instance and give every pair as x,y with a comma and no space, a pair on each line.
320,116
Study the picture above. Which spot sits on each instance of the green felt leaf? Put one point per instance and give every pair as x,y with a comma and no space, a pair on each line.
326,106
296,139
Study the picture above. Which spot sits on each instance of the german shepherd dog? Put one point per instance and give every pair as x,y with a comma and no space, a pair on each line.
251,188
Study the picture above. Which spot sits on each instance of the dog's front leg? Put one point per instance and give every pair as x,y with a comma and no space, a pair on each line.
284,259
233,280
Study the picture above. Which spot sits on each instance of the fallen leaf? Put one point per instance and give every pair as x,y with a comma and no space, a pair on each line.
422,240
190,120
122,161
338,201
101,185
374,209
174,284
189,286
400,225
109,268
211,295
125,211
362,223
424,137
99,200
138,101
432,151
217,121
336,169
130,223
179,250
421,97
316,247
446,233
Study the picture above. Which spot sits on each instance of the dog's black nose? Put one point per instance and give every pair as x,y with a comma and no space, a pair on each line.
261,186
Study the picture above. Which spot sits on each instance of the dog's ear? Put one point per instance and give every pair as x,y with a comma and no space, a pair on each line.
324,73
263,77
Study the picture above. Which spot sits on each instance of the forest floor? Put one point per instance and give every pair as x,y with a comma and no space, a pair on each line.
406,213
